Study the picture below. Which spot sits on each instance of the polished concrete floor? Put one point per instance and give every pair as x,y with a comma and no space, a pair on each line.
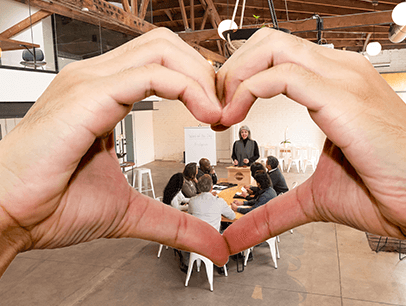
320,264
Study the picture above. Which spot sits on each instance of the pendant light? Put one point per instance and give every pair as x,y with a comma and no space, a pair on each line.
374,48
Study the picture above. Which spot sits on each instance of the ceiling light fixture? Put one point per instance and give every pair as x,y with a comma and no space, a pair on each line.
374,48
397,30
399,14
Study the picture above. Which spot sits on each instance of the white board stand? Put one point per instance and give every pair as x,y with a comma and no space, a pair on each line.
200,142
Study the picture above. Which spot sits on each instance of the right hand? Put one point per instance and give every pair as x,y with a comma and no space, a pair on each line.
235,162
360,180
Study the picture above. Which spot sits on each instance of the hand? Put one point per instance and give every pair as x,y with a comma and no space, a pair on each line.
61,182
246,160
237,203
234,207
244,194
360,180
235,162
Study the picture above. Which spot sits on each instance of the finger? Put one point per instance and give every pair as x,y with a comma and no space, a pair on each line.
152,220
335,116
165,53
282,213
268,48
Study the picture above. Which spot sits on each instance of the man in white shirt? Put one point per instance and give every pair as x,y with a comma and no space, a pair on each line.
208,207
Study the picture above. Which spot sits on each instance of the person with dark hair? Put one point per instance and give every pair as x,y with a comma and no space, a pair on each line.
173,192
206,168
251,192
277,178
265,194
245,150
189,188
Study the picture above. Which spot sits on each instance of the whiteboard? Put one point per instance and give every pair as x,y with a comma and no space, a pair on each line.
200,142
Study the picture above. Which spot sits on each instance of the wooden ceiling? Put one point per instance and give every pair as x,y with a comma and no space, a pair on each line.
348,24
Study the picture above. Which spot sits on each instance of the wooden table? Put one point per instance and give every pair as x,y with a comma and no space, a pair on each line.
227,195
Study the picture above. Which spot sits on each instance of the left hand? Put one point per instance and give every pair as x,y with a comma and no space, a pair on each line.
246,161
61,182
234,207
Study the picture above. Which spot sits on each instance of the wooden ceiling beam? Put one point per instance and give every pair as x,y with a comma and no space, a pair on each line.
184,15
208,54
25,24
213,11
204,20
329,23
192,14
99,12
143,9
134,7
126,6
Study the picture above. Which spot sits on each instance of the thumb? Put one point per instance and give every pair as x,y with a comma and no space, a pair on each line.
277,216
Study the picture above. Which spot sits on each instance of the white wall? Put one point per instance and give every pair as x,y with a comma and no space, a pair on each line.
267,119
143,137
20,85
40,33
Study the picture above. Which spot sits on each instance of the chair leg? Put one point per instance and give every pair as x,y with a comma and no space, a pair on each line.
189,271
246,255
225,270
272,247
160,250
209,272
198,264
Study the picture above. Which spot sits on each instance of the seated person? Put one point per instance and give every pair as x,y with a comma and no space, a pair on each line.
206,168
173,192
266,193
277,178
252,191
207,207
189,188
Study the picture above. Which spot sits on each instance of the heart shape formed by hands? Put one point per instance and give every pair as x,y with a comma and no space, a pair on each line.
74,190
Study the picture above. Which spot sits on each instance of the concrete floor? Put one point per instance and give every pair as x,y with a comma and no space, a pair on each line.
320,264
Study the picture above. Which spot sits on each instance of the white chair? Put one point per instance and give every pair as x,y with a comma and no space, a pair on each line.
281,159
209,268
295,158
160,249
272,246
310,157
143,181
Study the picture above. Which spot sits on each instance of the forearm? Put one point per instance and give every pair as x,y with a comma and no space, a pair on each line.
13,239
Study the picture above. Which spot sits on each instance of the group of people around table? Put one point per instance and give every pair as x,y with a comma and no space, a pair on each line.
192,190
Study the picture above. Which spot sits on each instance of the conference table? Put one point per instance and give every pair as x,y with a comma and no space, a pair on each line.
227,195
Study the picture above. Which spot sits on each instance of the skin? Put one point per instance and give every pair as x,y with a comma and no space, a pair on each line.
60,180
360,180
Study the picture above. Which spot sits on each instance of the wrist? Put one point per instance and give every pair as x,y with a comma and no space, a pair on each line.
13,240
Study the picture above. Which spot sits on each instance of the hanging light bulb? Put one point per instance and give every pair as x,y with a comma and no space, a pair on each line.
226,25
399,14
374,48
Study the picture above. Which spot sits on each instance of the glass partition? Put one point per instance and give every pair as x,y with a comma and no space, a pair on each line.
31,38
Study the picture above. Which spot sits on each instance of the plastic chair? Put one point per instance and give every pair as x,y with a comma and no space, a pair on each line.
295,158
209,268
272,246
310,157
